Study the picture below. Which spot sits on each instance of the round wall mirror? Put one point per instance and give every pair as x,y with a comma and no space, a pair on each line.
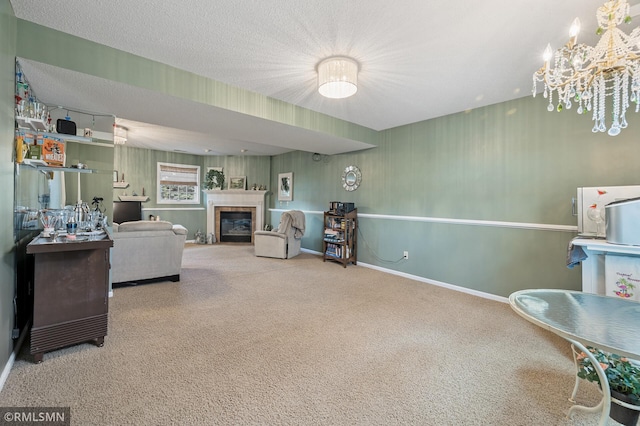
351,178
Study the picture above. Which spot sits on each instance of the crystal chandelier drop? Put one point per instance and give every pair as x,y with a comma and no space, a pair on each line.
588,75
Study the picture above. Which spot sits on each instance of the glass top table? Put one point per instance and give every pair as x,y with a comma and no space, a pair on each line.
585,319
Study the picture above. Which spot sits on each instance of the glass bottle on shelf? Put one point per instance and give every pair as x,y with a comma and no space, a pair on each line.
72,225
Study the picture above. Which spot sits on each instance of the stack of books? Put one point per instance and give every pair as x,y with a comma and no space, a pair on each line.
332,235
338,251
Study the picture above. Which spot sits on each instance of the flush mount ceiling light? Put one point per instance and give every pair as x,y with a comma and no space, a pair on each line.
337,77
119,135
589,75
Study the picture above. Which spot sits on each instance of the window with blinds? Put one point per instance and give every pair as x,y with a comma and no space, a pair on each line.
178,183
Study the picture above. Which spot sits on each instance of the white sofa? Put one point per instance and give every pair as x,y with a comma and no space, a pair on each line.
145,249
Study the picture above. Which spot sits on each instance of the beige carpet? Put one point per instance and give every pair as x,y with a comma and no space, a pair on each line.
256,341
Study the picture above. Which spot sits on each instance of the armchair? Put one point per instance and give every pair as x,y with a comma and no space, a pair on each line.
283,243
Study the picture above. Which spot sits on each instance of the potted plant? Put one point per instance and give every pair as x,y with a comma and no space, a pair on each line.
624,381
214,179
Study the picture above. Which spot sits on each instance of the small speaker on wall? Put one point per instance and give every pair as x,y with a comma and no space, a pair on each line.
67,127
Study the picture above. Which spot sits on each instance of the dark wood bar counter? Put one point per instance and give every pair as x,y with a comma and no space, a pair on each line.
70,291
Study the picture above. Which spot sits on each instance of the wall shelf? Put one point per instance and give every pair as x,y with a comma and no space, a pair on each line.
42,165
31,123
121,185
67,137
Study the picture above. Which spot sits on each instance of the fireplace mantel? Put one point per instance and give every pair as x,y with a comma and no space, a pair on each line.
234,198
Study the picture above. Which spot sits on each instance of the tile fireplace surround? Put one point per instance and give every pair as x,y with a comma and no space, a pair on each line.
234,198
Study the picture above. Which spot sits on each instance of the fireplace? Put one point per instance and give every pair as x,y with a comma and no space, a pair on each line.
231,200
235,227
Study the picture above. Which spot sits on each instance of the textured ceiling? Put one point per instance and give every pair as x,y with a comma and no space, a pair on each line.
418,59
166,123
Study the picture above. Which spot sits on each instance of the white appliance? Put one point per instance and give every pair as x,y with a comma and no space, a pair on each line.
590,206
623,222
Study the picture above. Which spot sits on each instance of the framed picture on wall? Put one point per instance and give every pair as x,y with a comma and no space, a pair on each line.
214,179
238,182
285,186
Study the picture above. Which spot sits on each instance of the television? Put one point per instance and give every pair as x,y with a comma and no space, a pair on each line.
127,211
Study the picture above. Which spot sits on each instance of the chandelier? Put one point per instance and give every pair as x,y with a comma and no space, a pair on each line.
587,75
338,77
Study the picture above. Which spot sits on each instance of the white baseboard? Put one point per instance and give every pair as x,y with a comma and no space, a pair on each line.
427,280
9,365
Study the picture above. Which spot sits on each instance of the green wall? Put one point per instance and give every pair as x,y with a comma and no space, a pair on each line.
510,162
99,158
7,91
44,45
140,170
256,169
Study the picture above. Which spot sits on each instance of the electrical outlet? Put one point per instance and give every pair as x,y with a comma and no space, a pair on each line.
405,255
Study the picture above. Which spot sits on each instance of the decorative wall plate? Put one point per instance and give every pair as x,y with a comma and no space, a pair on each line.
351,178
